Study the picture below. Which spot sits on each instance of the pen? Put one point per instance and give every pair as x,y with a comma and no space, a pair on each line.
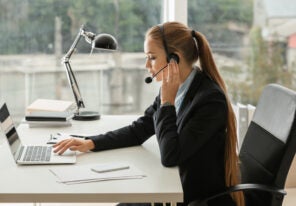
73,135
78,136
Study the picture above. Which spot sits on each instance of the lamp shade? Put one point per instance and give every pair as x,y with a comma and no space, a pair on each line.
104,41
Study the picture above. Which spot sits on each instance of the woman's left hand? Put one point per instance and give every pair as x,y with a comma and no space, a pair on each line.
170,83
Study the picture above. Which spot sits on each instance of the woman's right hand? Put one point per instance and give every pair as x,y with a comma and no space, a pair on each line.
74,144
170,83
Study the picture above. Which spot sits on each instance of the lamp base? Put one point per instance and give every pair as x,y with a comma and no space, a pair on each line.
87,116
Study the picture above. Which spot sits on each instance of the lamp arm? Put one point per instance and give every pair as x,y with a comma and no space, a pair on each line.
74,86
74,44
70,75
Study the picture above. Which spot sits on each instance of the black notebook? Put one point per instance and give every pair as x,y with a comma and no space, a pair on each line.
49,116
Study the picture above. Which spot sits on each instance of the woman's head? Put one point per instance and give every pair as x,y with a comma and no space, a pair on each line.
167,40
178,39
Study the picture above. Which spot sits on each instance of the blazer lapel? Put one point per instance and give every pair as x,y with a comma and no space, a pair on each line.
186,104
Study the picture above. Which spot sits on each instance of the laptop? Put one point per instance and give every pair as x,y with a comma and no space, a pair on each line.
30,154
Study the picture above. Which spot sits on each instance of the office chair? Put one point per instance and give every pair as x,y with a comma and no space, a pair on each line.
267,150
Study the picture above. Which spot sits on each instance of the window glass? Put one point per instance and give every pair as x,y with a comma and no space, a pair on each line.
249,45
35,35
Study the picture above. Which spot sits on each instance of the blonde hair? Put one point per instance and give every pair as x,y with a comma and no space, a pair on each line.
180,38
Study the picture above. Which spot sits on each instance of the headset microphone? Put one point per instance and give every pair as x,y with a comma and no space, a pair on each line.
148,80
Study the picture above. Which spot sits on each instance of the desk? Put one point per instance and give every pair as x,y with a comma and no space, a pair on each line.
37,184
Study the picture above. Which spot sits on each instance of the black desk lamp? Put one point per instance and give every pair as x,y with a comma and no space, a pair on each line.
100,41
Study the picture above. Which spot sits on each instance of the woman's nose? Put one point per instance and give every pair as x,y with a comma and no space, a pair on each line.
147,65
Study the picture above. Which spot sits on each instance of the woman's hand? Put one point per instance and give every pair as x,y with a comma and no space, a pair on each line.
170,83
74,144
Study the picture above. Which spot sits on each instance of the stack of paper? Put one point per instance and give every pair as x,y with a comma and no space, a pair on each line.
85,173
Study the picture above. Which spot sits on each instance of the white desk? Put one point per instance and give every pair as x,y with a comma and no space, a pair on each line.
37,184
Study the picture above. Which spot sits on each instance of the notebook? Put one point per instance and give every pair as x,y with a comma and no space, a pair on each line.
30,154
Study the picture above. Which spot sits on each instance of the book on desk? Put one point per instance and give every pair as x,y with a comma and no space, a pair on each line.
49,116
49,119
51,105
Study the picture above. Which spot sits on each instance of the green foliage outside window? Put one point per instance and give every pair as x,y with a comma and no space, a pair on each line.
28,26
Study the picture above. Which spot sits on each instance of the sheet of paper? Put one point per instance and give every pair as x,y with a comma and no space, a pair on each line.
81,174
98,180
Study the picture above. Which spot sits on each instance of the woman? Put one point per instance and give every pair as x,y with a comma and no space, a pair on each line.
192,117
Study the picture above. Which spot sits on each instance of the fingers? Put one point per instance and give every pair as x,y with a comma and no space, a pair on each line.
172,72
59,143
74,148
63,145
164,77
170,83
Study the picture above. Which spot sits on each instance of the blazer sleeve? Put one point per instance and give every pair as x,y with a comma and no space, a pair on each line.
206,119
135,134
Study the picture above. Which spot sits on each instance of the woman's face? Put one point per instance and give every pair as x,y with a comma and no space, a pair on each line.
155,58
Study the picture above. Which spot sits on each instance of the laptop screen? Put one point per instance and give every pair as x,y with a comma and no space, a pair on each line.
9,129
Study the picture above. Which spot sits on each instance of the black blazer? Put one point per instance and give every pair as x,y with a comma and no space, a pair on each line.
193,140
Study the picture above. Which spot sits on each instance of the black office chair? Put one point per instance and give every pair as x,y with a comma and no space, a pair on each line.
267,150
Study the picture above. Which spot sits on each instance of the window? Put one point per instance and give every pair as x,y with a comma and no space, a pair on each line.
36,34
250,42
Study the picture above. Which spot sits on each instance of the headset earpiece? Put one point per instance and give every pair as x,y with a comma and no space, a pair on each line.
174,57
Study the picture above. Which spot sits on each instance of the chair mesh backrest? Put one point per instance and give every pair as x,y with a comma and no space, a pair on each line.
268,137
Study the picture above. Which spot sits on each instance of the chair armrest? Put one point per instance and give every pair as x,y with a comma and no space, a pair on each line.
240,187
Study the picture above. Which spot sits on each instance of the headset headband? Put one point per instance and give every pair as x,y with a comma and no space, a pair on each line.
161,29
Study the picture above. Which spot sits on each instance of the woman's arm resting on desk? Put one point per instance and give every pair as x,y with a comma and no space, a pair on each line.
74,144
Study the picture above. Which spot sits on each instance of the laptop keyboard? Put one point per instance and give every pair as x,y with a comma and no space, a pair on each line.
37,153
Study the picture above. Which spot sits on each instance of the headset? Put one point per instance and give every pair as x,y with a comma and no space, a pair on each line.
169,56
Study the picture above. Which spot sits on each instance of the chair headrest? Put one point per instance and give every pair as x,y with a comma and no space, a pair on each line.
275,111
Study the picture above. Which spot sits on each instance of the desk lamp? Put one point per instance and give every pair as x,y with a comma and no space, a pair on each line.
100,41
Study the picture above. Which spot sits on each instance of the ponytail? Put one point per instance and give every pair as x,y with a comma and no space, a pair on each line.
231,159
